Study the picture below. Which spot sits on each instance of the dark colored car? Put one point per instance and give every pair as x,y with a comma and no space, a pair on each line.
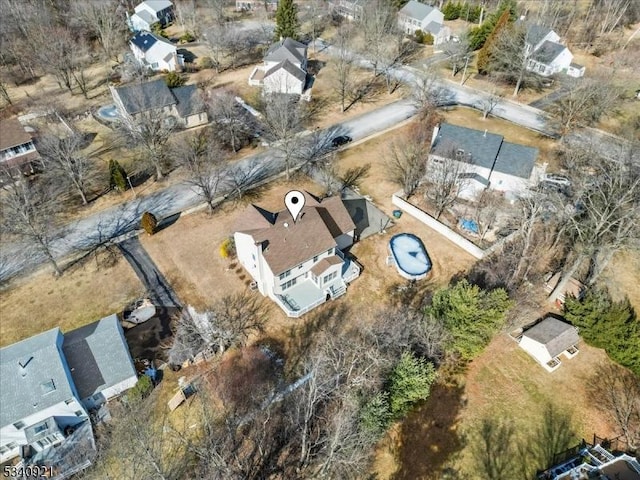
341,140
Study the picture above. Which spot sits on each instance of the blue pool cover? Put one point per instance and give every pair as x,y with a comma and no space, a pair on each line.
410,256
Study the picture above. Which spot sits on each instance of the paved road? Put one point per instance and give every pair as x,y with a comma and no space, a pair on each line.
549,99
158,289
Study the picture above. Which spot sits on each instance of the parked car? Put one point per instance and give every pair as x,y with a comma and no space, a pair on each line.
341,140
558,179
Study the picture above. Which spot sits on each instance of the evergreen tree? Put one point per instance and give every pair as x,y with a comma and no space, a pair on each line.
410,382
149,223
117,175
375,415
484,55
606,324
478,35
471,315
286,20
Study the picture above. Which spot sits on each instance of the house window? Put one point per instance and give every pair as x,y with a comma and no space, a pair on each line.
47,387
315,259
79,413
289,284
19,425
328,278
40,428
4,450
285,274
330,251
154,65
11,445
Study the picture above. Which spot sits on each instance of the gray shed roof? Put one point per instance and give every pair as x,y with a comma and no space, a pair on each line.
34,376
288,67
157,5
189,100
548,52
98,356
287,49
146,16
145,96
517,160
554,334
488,150
416,10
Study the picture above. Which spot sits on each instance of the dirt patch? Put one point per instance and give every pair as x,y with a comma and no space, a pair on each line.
40,302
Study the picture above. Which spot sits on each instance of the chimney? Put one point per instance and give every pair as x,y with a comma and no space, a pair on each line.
436,130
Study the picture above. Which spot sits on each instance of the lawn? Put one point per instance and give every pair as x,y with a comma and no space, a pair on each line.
82,295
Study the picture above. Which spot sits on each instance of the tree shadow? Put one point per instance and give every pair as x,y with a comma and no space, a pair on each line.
428,436
168,221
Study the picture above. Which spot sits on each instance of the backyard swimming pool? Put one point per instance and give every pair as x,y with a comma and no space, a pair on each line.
410,256
108,113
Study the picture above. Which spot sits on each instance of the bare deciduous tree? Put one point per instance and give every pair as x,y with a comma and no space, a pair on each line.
488,102
205,164
343,66
65,155
407,159
459,54
232,125
428,92
378,22
102,21
228,323
447,174
28,212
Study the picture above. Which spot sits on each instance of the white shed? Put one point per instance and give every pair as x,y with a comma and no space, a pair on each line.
546,340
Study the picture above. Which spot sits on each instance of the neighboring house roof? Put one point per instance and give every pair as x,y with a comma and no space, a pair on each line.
189,100
145,16
289,67
517,160
319,222
12,133
548,52
287,49
488,150
156,5
34,376
146,40
416,10
554,334
98,356
535,33
145,96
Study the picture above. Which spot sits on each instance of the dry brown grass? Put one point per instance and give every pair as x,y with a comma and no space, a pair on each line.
622,277
81,296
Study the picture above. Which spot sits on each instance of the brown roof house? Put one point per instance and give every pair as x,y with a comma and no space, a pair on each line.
17,150
300,264
547,340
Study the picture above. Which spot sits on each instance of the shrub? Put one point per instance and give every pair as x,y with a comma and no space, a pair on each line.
174,79
156,29
410,382
419,36
141,389
187,37
427,39
376,415
117,176
149,223
227,248
206,62
451,11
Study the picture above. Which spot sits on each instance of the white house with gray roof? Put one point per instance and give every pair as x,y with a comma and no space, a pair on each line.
488,160
420,16
547,55
149,12
284,69
156,53
184,105
50,381
548,339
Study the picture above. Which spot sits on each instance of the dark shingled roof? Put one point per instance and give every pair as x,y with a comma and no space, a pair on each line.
287,49
312,234
98,356
554,334
516,160
189,100
416,10
548,52
144,40
141,97
535,33
288,67
487,150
